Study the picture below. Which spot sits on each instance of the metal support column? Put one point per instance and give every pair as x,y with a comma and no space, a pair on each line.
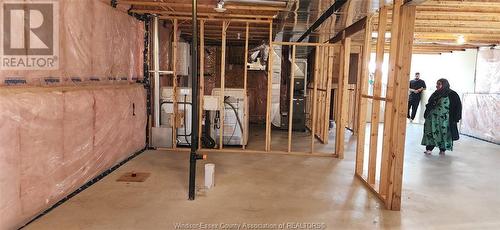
194,156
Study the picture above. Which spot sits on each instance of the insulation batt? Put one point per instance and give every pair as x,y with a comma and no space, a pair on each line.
52,141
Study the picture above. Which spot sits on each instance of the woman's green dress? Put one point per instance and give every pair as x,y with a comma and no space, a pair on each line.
437,126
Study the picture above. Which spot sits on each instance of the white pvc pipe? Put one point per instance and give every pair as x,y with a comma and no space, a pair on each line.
209,175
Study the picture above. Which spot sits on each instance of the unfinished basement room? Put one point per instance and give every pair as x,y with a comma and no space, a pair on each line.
249,114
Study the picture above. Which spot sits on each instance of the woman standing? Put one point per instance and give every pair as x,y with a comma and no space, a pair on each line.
442,113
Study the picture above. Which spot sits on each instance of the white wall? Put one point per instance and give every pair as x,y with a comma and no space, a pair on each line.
457,67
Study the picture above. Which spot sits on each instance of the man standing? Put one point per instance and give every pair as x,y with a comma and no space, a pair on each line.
417,85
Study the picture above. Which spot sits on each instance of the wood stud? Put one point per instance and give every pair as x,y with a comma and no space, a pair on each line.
201,94
362,103
269,88
174,90
390,184
225,24
245,82
388,189
290,111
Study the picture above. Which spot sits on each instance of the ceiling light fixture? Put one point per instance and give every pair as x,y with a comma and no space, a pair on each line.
387,35
460,39
220,7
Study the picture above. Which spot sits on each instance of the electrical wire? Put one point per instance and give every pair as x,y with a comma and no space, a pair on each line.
237,118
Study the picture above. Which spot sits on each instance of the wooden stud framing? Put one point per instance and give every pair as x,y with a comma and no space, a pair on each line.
328,92
210,15
202,6
245,76
304,44
249,151
341,106
399,114
314,97
187,18
342,97
202,79
269,88
390,95
225,24
377,89
174,90
290,111
363,89
391,172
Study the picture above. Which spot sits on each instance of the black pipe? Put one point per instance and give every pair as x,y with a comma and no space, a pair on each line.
146,79
194,156
333,8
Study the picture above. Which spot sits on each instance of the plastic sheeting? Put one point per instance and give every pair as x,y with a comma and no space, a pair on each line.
95,41
488,71
54,140
480,116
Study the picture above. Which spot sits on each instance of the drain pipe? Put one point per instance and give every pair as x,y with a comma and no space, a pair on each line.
194,156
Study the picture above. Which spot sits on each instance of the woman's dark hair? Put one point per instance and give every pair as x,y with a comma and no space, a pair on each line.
444,83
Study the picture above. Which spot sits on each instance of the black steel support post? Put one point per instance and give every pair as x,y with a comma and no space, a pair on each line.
194,156
146,81
333,8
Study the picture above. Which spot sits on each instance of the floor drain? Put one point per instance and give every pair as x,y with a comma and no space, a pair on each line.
134,177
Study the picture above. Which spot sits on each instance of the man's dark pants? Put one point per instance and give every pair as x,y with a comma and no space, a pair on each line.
413,104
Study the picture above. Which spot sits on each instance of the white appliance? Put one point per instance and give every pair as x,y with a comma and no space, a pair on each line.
184,115
183,59
235,121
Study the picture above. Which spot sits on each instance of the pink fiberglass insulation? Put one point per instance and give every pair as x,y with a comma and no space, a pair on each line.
53,140
95,40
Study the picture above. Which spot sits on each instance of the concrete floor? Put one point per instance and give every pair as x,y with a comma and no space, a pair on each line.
456,191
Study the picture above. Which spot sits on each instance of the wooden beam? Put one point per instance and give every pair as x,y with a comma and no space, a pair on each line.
249,151
304,44
377,89
341,106
187,18
269,88
317,72
384,170
231,28
178,13
245,83
290,111
202,79
414,2
202,6
222,84
174,85
363,83
460,8
349,31
400,113
329,79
